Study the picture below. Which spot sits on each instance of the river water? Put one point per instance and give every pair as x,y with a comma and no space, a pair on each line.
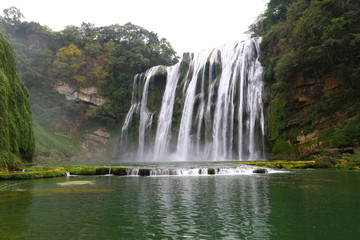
288,205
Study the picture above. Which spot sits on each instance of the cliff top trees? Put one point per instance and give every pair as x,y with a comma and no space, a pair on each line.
107,57
320,35
12,15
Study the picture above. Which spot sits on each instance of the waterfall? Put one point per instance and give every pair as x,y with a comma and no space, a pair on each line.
146,116
211,108
162,136
197,67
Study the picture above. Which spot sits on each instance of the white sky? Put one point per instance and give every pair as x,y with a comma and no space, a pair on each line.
189,25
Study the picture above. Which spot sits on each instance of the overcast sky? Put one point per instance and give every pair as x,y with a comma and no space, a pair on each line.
189,25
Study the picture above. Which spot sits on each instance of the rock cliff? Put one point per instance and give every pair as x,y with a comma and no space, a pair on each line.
86,94
312,60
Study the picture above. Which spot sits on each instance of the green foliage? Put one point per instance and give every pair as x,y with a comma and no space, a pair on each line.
347,135
104,113
51,147
310,42
12,15
60,171
277,125
105,57
17,140
67,64
284,70
318,34
108,58
32,175
280,146
276,116
282,164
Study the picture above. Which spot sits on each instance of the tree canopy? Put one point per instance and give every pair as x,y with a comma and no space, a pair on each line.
315,35
107,57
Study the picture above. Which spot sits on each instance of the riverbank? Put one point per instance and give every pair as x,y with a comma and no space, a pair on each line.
344,161
349,162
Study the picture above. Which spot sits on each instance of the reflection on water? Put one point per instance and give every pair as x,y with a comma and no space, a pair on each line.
204,207
294,205
234,207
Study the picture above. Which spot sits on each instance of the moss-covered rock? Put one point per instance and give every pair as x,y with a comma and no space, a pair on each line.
260,170
120,171
17,140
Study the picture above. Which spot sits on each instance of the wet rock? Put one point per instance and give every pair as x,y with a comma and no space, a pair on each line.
349,150
324,162
260,170
331,152
144,172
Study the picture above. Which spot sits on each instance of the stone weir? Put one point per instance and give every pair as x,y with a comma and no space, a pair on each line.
196,171
203,170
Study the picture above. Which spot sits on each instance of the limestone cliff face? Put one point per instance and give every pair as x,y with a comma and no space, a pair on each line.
312,60
89,95
93,142
16,135
314,114
61,123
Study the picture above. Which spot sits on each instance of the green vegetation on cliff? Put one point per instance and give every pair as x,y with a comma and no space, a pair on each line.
100,60
16,136
311,53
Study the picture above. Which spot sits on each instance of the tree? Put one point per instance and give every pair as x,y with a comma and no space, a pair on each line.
67,65
13,15
71,34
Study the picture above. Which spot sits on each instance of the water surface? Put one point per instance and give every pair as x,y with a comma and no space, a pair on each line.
293,205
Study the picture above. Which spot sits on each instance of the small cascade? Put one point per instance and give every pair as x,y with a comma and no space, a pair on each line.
187,170
196,171
109,173
132,172
210,109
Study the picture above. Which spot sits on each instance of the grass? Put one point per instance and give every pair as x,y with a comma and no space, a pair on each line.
345,161
348,161
282,164
59,171
50,146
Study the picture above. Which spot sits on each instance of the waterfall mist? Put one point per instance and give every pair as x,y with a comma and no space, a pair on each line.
207,107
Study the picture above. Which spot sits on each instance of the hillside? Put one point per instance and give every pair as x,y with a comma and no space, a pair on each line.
17,140
311,54
79,80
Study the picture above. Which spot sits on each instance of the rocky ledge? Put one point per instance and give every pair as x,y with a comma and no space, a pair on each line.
89,95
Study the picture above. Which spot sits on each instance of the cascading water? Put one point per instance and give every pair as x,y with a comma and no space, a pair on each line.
165,116
211,108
